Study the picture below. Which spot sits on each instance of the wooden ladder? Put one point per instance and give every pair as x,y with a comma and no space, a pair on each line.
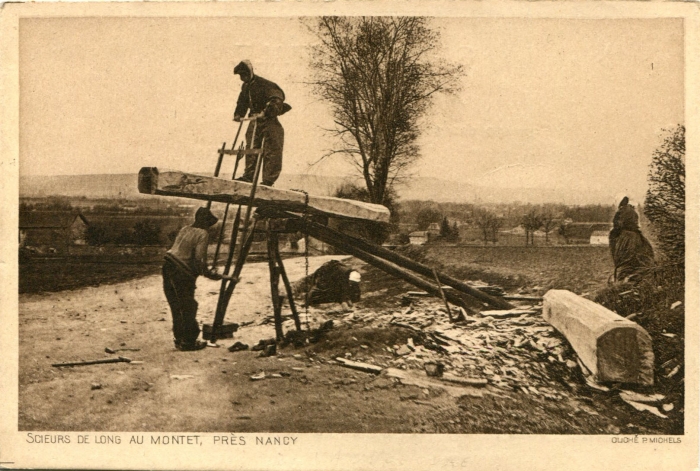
250,222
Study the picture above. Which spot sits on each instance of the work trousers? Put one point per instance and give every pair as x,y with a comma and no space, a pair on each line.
179,290
272,131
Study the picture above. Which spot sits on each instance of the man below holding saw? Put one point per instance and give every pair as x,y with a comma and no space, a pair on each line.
184,262
265,101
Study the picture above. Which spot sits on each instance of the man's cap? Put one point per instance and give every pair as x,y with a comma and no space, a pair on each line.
205,217
244,66
355,276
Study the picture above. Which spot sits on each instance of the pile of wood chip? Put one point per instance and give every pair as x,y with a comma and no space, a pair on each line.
506,349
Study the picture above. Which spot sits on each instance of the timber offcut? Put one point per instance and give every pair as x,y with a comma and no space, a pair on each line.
613,348
187,185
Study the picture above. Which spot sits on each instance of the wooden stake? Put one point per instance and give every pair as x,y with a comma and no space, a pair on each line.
274,284
288,288
442,295
94,362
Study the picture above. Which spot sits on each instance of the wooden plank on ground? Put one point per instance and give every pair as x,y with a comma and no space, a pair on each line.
356,365
187,185
613,348
507,313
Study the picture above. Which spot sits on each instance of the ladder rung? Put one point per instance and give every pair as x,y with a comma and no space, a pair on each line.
241,152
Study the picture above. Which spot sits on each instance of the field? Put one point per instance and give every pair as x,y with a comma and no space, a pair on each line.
59,274
305,390
577,268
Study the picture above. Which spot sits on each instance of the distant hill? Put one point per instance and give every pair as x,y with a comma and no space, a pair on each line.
419,188
90,186
125,185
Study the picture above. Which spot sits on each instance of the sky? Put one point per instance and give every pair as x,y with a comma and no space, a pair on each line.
544,103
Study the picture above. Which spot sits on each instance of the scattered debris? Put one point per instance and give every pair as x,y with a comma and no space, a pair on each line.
496,349
637,397
403,350
644,407
407,378
667,407
537,299
508,313
676,304
115,350
225,331
94,386
466,381
94,362
258,376
434,369
487,288
181,377
237,347
269,350
366,367
263,343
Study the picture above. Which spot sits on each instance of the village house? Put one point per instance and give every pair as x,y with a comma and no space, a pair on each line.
582,232
419,237
52,231
600,238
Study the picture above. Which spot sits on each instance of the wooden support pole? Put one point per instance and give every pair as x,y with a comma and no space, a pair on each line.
274,284
388,267
289,290
220,307
222,152
442,295
242,256
220,239
405,262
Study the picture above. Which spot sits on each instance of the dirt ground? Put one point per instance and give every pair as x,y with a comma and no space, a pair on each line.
304,389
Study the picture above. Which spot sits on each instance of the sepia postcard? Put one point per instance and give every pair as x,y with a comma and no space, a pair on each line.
346,235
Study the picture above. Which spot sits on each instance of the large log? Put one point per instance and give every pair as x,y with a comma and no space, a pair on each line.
173,183
405,262
314,230
613,348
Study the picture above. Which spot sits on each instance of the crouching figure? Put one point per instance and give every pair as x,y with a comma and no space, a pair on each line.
334,282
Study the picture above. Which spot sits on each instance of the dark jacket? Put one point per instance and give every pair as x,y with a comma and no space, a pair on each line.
260,95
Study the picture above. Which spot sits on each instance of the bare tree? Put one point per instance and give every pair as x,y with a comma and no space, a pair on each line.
379,74
531,222
495,226
488,223
549,222
665,199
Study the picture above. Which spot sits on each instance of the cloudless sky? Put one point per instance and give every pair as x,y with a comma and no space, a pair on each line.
563,103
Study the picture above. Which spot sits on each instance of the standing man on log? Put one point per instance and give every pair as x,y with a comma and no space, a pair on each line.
631,251
265,100
184,262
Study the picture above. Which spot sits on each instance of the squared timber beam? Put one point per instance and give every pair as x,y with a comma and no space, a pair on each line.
613,348
187,185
